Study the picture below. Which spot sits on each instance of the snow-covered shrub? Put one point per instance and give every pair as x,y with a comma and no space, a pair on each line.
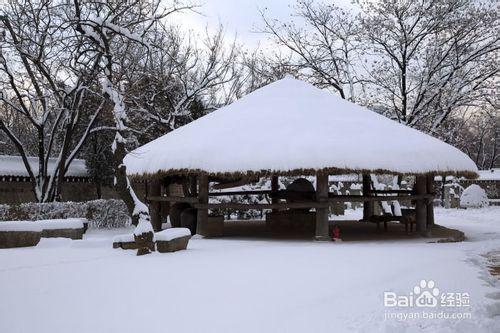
474,197
4,212
107,214
46,211
100,213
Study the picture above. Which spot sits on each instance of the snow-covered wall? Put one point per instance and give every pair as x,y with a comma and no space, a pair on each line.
14,166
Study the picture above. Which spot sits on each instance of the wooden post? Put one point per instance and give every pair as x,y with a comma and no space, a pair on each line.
322,231
421,207
202,219
146,191
443,183
193,190
164,205
274,188
367,205
154,189
430,202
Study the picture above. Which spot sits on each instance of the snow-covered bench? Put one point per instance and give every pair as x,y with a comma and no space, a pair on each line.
407,218
168,240
28,233
19,234
125,242
173,239
73,228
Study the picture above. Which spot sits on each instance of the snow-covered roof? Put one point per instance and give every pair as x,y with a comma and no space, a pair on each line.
492,174
292,127
14,166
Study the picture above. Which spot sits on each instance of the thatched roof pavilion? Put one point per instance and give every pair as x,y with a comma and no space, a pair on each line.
290,127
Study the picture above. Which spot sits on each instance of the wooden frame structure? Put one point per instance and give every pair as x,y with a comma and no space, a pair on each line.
422,195
321,136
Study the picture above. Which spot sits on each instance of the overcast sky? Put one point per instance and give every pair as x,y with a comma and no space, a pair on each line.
240,16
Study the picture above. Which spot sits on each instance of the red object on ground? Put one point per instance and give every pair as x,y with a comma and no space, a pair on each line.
336,233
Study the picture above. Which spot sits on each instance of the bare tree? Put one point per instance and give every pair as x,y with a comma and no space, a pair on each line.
430,59
324,43
113,29
45,80
257,69
477,133
182,79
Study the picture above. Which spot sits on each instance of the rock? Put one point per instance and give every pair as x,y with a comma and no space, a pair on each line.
301,190
175,213
293,220
189,218
176,244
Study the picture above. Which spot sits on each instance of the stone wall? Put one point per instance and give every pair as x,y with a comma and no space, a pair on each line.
16,192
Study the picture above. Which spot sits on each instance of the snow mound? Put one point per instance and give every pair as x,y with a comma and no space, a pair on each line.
126,238
474,197
172,233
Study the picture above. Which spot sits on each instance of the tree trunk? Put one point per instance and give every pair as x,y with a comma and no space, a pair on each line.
122,184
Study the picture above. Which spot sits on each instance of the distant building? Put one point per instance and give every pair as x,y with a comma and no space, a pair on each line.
16,187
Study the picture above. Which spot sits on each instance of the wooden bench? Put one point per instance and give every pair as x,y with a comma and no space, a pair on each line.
407,218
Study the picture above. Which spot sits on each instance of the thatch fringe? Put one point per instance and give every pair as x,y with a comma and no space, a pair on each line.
293,173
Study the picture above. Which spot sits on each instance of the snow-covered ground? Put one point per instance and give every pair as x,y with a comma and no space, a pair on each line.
251,285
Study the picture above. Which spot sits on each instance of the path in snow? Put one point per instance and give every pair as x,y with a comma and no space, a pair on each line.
228,285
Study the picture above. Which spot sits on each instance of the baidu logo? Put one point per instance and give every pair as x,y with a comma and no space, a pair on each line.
425,294
426,301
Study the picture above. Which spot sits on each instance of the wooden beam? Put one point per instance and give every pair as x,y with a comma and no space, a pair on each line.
202,218
257,192
369,198
322,231
367,205
234,183
154,189
310,204
420,207
389,191
274,190
172,199
193,185
287,194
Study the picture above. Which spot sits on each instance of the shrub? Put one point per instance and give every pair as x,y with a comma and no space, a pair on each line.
107,214
48,211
